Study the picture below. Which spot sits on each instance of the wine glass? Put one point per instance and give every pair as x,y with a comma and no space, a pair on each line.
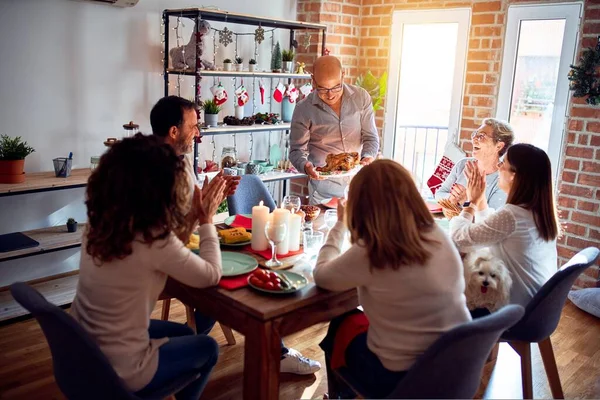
331,218
275,233
291,203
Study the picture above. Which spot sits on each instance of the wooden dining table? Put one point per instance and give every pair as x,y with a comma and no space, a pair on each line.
264,319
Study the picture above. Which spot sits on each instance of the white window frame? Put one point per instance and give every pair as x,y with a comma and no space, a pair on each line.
462,16
571,13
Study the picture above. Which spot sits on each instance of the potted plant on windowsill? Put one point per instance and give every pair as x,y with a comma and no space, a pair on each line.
288,60
71,225
239,64
227,64
12,159
211,113
252,65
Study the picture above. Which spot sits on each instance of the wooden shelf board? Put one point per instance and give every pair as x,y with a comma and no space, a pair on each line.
244,74
45,181
57,291
231,129
51,239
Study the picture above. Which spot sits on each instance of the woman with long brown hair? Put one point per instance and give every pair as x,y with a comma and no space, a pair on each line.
137,200
407,271
522,233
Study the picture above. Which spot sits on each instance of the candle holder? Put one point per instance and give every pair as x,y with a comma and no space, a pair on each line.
275,233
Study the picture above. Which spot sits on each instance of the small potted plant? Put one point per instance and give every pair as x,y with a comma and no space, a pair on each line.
211,113
71,225
251,65
287,57
227,64
239,64
12,159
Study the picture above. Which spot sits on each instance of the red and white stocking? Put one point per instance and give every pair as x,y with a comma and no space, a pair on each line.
279,91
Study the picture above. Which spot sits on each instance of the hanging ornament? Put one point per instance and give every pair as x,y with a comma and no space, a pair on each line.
278,93
225,37
219,93
261,88
292,92
295,43
242,95
306,89
327,51
306,41
259,35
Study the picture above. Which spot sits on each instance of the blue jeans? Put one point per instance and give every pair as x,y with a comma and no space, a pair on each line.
363,370
204,325
183,353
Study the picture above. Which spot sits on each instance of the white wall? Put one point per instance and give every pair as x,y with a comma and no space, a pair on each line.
72,73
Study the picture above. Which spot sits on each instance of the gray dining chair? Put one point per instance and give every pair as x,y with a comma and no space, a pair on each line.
249,193
451,367
541,319
81,370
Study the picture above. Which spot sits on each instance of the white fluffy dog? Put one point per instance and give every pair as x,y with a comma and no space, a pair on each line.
487,280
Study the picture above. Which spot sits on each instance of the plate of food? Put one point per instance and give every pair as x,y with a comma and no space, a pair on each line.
280,282
340,165
234,237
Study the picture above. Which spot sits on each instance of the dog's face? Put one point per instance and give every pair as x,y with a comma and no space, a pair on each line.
487,272
487,280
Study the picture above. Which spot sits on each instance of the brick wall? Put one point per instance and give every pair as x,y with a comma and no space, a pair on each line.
579,186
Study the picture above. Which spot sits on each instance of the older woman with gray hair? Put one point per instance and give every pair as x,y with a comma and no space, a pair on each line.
490,142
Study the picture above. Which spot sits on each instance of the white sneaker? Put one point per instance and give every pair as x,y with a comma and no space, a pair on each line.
294,363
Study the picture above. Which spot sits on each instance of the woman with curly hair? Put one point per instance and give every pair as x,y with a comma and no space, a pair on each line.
137,200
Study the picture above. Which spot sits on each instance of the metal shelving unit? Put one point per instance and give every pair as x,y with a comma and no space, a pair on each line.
197,14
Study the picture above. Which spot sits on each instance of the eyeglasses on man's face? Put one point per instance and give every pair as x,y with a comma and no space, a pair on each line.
335,89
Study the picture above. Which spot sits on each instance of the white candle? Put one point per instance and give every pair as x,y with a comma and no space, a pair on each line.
294,229
282,216
260,215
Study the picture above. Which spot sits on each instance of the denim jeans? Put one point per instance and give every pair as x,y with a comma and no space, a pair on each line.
363,370
183,353
204,325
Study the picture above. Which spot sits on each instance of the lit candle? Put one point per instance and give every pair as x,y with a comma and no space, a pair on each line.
260,215
294,229
282,216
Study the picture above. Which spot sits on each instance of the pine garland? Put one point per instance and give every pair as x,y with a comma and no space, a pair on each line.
585,77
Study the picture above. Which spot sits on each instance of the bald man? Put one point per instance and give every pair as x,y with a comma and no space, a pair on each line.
335,118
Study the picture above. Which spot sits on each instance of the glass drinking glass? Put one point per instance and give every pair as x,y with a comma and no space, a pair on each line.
331,218
275,233
291,203
346,191
312,241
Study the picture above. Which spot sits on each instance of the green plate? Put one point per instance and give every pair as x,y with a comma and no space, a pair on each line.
229,220
235,264
295,278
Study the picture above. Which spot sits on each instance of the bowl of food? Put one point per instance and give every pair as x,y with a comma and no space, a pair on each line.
311,212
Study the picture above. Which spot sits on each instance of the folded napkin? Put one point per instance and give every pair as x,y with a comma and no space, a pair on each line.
241,221
267,253
234,282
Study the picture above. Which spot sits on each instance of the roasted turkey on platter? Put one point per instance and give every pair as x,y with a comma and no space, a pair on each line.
340,162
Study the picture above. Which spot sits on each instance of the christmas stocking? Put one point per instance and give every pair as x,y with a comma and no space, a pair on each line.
451,156
306,89
262,92
242,95
279,90
292,92
219,93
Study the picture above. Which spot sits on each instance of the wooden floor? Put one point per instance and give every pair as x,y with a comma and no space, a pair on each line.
26,367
